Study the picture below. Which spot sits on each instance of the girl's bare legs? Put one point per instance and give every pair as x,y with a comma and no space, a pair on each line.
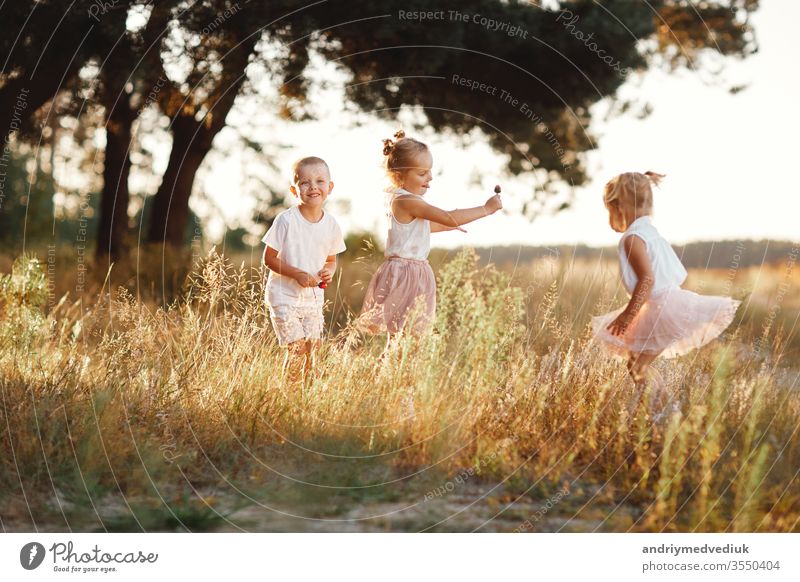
391,342
639,369
639,366
407,411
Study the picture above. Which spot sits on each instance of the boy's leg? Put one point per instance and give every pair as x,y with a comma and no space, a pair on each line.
312,347
294,362
313,324
287,323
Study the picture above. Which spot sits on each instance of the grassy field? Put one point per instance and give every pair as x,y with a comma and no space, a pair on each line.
154,403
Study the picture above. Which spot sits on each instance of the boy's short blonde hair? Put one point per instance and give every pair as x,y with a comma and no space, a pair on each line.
307,161
631,191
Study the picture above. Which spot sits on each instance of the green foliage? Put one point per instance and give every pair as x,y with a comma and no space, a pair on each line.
478,310
23,299
362,246
26,206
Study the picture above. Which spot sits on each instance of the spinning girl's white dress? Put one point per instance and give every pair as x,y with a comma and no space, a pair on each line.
673,321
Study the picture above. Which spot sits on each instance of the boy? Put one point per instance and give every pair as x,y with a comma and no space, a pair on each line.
302,245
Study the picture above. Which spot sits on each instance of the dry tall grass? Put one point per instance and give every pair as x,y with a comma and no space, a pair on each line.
126,416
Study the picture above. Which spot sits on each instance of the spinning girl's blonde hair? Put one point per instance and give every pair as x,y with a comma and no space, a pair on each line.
629,191
400,155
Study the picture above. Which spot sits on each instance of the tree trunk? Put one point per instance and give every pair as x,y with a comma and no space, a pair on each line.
191,142
113,224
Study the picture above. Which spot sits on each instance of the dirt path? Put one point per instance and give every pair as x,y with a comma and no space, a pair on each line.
471,507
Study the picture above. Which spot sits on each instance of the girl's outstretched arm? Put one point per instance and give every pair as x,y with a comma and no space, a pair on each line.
636,251
436,227
416,207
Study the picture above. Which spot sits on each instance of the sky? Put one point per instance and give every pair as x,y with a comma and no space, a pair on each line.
730,160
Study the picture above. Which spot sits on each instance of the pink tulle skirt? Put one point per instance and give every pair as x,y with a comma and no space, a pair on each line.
671,324
401,291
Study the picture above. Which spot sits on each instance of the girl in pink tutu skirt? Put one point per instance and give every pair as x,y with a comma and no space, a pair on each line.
661,318
403,289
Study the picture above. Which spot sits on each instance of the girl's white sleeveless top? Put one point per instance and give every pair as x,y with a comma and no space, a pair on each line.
668,271
408,241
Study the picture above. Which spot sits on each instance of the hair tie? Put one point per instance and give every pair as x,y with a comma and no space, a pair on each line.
399,134
388,146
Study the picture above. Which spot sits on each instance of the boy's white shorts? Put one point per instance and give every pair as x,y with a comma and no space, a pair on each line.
294,323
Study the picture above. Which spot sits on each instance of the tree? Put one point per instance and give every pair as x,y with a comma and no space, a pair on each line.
544,68
44,45
523,75
128,85
28,217
219,38
47,44
198,105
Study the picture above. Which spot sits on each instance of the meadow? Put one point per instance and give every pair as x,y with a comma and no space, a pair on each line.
154,402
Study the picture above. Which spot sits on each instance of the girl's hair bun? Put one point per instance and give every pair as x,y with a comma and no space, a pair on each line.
654,177
631,190
400,155
388,144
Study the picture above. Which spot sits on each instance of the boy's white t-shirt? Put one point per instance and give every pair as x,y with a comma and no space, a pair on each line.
304,245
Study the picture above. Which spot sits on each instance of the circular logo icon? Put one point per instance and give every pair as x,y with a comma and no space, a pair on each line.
31,555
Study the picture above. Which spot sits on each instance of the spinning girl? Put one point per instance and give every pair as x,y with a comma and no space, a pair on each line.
661,318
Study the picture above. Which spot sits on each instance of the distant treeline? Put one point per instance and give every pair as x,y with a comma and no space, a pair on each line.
698,255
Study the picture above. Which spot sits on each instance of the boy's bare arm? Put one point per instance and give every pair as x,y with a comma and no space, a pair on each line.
274,263
326,274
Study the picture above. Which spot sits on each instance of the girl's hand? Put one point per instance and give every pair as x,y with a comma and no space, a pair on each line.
326,274
493,204
306,279
619,326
